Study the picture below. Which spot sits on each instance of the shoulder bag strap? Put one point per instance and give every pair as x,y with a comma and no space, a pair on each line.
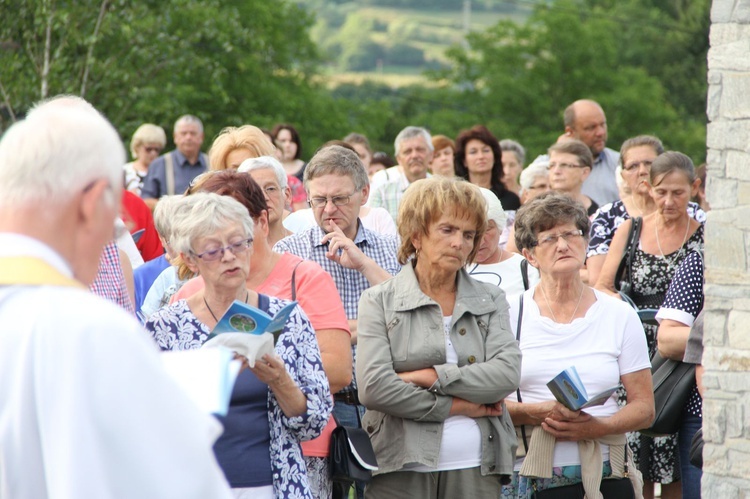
169,173
294,281
518,390
524,276
635,235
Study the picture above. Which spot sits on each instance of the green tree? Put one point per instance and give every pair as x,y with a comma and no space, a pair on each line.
519,78
227,62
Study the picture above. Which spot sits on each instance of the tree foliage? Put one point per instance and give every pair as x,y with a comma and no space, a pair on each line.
227,62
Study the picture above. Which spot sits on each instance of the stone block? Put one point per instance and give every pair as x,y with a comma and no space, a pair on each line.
722,193
738,163
721,11
731,55
715,163
735,421
713,102
713,327
728,33
735,88
714,421
725,247
737,333
718,487
727,134
741,13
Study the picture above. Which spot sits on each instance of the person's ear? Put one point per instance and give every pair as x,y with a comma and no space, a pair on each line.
92,198
585,173
365,194
261,224
695,188
529,256
190,261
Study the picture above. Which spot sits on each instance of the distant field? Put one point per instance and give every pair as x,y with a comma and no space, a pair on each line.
431,31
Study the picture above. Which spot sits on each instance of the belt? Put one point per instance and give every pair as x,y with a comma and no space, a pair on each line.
349,397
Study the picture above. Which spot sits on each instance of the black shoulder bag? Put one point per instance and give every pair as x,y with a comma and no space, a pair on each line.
624,275
351,458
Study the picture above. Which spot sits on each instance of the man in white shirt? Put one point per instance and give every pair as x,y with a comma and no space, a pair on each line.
86,407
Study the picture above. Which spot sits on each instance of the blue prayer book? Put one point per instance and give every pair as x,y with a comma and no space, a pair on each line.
568,389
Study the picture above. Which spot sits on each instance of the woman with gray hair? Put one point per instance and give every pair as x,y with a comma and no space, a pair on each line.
493,264
272,179
284,398
559,323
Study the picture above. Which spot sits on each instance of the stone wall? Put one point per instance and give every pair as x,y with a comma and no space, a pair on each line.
726,410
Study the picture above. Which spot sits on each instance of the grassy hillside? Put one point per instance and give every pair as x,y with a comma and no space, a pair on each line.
368,39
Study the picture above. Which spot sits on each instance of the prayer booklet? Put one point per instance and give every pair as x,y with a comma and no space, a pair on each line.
207,376
248,330
568,389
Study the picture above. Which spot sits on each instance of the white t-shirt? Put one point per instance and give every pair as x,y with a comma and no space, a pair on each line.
605,344
461,443
506,274
86,407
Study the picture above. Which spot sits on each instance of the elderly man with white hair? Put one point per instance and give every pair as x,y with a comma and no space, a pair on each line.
86,407
493,264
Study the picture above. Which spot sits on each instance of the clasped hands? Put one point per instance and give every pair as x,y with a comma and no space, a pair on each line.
567,425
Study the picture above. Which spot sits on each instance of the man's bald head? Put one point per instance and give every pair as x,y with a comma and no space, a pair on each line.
585,121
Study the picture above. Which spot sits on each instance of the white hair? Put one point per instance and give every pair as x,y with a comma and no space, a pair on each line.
165,214
61,147
265,163
202,215
495,210
409,133
538,168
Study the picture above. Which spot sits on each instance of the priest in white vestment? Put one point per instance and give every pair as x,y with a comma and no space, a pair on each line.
86,408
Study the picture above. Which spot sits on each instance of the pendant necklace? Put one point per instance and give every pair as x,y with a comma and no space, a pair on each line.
544,293
247,297
671,262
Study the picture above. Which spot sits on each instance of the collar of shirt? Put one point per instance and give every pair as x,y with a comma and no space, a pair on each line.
181,160
19,245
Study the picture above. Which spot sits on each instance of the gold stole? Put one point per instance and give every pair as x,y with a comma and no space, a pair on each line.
31,271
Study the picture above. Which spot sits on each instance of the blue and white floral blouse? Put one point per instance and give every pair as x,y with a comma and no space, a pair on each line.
176,328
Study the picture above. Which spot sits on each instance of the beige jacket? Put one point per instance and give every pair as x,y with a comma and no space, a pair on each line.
401,329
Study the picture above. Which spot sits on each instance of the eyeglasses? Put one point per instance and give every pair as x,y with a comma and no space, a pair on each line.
271,190
564,166
635,164
552,239
321,202
149,150
215,254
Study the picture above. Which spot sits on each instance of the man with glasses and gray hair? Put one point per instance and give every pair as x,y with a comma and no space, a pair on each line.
356,257
86,406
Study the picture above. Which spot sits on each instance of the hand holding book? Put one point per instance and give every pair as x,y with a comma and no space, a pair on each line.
569,390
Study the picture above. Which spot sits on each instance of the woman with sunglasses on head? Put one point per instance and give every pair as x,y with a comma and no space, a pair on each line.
284,398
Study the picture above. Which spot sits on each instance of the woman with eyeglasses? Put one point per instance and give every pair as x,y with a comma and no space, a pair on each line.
284,398
636,156
564,323
570,164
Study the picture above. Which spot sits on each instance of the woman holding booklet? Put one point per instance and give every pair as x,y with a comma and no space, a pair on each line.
283,398
560,324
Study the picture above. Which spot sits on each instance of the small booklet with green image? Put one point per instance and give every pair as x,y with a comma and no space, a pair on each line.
248,330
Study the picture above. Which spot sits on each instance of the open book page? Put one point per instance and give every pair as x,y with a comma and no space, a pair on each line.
248,330
206,375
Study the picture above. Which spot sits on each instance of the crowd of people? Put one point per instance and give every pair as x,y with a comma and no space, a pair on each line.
438,290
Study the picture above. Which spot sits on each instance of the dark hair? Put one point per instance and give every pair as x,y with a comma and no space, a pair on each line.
482,134
239,186
638,141
295,136
672,161
545,212
383,158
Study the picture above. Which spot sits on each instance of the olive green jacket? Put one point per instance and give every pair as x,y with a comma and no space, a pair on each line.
401,329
